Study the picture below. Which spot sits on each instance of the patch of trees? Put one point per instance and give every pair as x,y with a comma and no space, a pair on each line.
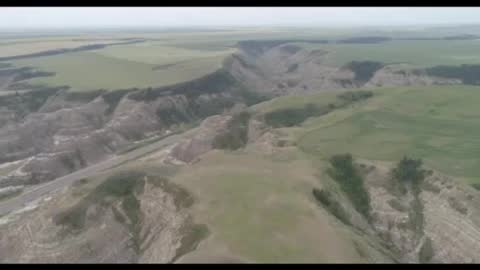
217,82
409,174
345,173
326,199
5,65
365,40
112,98
29,74
353,96
426,252
295,116
250,97
25,103
476,186
121,185
468,74
61,51
292,68
259,46
291,49
462,37
409,170
364,70
84,96
174,115
236,135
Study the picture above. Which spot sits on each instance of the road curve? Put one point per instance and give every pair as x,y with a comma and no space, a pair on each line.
21,200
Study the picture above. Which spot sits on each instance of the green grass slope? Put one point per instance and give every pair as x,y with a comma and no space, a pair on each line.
438,124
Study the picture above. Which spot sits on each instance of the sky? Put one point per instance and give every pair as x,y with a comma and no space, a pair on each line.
78,17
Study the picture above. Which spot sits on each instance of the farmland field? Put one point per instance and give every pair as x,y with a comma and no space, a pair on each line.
419,53
21,47
125,66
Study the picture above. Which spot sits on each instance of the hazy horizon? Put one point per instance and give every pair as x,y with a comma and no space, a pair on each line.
217,17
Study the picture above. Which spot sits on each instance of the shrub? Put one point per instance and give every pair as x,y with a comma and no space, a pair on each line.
326,199
74,218
352,96
237,134
364,70
119,185
112,98
467,73
351,182
193,234
293,116
426,251
409,170
476,186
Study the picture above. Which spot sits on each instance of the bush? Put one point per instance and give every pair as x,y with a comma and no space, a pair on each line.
476,186
364,70
193,234
426,251
467,73
326,199
236,135
351,182
119,185
352,96
112,98
293,116
73,218
409,170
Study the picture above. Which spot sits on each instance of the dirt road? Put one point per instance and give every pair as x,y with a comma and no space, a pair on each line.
37,192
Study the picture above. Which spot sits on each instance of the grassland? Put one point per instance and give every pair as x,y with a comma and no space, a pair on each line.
262,210
175,56
419,53
437,124
16,47
127,66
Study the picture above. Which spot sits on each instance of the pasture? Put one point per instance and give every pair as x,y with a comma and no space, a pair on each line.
418,53
261,210
438,124
125,66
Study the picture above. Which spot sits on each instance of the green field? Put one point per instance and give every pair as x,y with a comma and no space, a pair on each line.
261,210
438,124
171,57
124,67
416,52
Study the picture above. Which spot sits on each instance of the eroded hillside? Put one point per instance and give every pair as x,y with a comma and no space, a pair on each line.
237,185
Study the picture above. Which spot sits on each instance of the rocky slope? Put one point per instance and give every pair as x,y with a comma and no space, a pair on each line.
148,223
51,132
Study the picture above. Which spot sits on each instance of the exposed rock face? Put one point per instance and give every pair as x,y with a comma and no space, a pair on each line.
285,68
106,238
399,75
281,71
202,140
443,228
60,132
66,134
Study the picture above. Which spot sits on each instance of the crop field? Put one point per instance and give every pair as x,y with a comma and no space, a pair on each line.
126,66
438,124
419,53
16,47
